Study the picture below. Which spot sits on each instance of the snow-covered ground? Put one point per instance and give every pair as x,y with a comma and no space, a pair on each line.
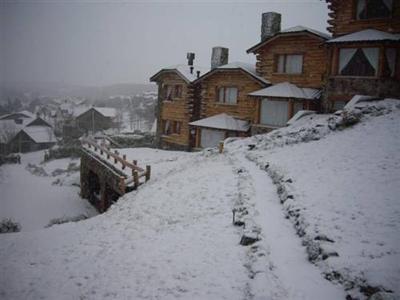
312,188
34,199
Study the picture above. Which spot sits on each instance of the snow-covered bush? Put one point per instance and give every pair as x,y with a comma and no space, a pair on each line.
8,225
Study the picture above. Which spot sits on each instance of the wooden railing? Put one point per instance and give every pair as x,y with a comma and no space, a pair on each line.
115,158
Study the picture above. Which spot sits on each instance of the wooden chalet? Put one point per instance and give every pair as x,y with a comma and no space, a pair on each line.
364,51
33,138
294,62
226,108
178,104
96,119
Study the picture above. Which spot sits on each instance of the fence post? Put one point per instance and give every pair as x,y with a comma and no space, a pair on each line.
136,179
116,153
148,172
221,147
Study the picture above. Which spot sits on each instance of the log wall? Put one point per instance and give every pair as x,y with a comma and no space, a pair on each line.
246,107
343,18
315,57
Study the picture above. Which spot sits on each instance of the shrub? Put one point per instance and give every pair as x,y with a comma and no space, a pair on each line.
8,225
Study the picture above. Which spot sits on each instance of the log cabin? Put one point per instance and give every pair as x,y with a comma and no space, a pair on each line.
178,104
294,62
96,119
364,50
226,108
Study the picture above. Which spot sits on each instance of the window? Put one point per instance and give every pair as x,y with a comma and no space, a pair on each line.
167,127
358,61
172,127
289,64
373,9
177,127
227,95
178,91
274,112
168,92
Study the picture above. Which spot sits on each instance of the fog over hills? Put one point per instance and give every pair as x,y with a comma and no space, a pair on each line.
32,90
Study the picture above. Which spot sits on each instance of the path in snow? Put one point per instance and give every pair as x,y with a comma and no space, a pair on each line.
292,274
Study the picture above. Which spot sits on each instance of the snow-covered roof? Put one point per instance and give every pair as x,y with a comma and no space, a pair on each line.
300,28
40,134
287,90
222,121
25,113
366,35
295,29
109,112
8,129
248,68
183,71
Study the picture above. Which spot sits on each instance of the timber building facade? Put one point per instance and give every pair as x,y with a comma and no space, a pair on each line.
296,69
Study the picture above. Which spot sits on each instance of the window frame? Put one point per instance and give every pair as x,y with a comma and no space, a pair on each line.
285,55
225,95
178,90
379,67
355,15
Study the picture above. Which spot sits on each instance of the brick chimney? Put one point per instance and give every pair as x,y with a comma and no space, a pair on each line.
219,57
270,24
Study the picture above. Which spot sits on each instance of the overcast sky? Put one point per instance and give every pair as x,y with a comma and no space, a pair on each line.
105,42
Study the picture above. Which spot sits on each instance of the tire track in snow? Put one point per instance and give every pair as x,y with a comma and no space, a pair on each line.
277,259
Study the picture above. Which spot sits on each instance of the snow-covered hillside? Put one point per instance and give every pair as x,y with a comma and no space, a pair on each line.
33,193
323,190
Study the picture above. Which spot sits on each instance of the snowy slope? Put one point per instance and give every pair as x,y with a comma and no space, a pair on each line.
174,237
34,200
344,187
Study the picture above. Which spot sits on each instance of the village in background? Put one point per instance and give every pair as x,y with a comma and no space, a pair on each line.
39,116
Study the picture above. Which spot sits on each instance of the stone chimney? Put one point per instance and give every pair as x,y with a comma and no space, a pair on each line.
270,24
219,57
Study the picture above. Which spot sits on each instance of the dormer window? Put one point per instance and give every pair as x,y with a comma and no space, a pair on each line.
374,9
289,63
227,95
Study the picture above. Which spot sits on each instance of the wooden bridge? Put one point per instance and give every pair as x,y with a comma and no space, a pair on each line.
106,175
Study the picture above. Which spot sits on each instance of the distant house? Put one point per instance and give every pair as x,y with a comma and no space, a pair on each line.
22,132
33,138
18,117
178,104
294,61
226,108
364,51
96,119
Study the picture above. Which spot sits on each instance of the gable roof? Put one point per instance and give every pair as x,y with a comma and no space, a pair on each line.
247,68
222,121
38,121
40,134
366,35
20,114
287,90
183,71
292,30
108,112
